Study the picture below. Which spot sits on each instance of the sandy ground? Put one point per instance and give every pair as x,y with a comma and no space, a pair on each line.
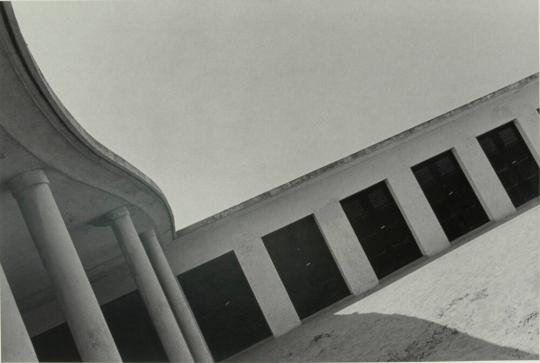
477,302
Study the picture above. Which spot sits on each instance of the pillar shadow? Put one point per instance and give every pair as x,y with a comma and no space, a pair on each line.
379,338
370,337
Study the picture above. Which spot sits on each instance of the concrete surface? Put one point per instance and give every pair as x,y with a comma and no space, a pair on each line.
486,184
346,250
479,301
416,210
265,283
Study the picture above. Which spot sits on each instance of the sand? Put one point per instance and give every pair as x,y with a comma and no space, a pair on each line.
477,302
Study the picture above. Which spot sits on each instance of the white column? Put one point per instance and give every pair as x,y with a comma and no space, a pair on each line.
484,181
348,253
146,280
73,290
16,344
416,210
173,291
267,287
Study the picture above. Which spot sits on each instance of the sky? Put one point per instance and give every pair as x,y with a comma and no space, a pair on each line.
218,101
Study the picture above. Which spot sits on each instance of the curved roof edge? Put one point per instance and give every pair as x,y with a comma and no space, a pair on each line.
66,120
434,122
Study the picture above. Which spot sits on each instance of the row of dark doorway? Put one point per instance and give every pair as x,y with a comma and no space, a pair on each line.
222,302
220,295
225,306
130,326
221,298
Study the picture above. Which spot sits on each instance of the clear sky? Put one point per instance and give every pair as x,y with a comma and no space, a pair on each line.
218,101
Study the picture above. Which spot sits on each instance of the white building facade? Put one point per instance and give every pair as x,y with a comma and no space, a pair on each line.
92,260
321,194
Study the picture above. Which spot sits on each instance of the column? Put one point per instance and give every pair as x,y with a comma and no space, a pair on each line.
16,344
73,291
175,295
267,287
484,181
416,210
345,247
146,280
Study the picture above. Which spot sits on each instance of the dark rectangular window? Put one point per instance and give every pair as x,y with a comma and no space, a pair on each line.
450,195
306,266
131,328
224,305
381,229
513,162
56,345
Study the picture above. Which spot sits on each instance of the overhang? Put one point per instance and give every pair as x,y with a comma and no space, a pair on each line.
87,179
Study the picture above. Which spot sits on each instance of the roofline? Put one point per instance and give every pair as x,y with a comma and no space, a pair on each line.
92,146
364,153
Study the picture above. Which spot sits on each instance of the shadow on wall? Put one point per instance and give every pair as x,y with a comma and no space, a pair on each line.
378,337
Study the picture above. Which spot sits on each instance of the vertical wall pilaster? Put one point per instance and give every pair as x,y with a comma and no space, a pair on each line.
267,287
345,247
417,212
485,182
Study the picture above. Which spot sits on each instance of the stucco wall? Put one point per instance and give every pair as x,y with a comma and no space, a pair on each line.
242,230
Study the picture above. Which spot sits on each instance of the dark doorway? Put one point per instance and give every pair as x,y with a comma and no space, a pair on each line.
306,267
224,305
512,161
450,195
381,229
133,330
130,325
56,345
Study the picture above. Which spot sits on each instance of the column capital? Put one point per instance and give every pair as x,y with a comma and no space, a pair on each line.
20,182
110,217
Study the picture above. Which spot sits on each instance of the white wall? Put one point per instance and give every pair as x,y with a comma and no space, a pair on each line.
320,196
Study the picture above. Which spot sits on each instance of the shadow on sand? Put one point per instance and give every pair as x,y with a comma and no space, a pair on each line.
377,337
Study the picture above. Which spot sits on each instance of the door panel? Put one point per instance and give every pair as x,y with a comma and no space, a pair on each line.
450,195
224,305
130,325
306,266
513,162
381,229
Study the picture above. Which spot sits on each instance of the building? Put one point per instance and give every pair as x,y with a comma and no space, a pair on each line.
87,241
